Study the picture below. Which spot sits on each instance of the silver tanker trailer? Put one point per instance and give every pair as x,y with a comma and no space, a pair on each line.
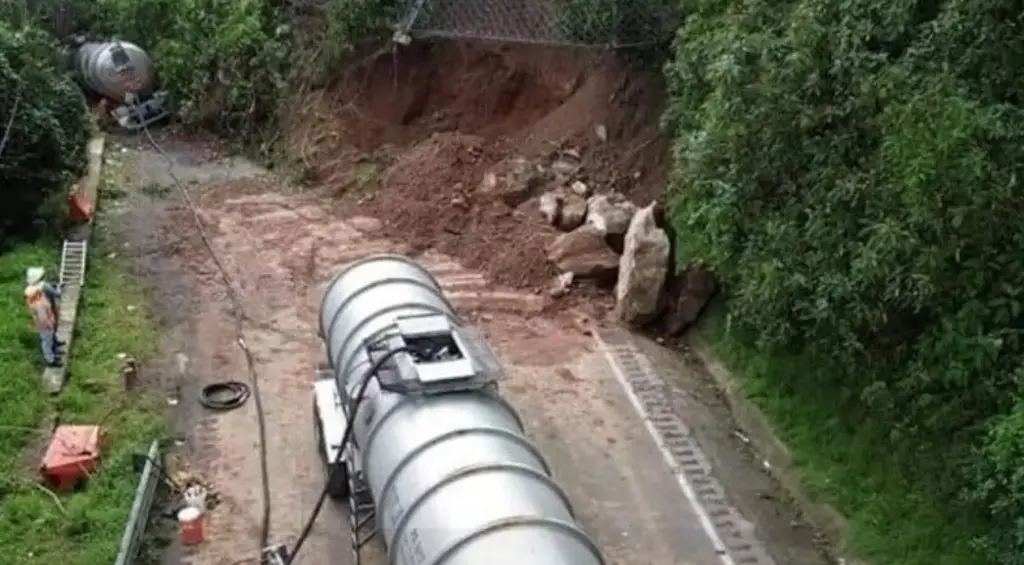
437,461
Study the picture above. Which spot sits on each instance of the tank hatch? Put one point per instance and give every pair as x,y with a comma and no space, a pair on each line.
439,357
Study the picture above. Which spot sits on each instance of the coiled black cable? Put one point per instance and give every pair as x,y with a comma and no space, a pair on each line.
224,396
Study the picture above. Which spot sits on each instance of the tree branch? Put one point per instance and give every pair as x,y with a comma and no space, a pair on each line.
10,122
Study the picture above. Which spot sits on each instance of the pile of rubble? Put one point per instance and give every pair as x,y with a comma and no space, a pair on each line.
607,239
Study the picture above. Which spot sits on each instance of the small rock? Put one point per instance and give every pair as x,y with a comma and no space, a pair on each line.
574,211
551,206
642,270
584,253
584,325
490,181
564,168
602,132
365,224
610,213
562,284
580,188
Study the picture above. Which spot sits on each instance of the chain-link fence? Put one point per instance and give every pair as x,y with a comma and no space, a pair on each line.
612,23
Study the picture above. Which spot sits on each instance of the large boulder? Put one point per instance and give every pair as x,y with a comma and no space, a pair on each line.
584,253
610,213
562,209
695,288
642,269
514,181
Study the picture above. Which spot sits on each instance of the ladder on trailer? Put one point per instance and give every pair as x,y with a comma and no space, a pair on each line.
361,512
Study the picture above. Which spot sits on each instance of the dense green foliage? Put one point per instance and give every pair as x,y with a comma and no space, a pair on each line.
852,172
617,22
43,128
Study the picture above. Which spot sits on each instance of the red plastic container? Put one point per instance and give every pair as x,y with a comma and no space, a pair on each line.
80,208
73,455
191,525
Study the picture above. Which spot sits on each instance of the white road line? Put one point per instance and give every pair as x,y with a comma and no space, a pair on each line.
684,484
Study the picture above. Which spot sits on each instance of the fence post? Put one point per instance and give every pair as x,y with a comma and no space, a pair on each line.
131,539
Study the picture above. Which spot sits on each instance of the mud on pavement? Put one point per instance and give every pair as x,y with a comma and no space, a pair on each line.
280,248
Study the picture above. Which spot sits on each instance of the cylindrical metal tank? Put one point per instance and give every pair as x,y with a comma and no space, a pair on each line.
114,68
453,476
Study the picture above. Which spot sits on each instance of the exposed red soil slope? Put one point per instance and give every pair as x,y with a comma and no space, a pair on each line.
407,136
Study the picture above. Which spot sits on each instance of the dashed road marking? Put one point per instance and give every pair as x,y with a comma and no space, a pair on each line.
650,396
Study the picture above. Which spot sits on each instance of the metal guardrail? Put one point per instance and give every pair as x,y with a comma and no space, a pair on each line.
135,527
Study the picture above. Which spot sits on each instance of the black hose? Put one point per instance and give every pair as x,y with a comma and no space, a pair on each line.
239,314
224,396
368,376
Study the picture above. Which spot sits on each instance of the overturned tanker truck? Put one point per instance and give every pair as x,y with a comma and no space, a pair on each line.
122,73
436,461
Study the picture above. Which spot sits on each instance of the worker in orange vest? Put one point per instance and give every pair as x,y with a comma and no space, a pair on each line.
41,298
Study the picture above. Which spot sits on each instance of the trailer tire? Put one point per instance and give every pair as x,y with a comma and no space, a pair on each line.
337,482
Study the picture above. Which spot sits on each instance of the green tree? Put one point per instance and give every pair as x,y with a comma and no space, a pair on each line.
44,129
617,22
850,170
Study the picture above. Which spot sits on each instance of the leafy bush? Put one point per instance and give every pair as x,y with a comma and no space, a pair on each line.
850,170
351,20
43,125
999,477
617,22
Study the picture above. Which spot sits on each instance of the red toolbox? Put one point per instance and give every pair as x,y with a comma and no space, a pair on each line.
72,456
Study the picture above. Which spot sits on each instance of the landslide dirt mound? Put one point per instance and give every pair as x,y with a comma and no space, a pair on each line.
408,136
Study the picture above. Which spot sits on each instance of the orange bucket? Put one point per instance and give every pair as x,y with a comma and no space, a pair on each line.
191,525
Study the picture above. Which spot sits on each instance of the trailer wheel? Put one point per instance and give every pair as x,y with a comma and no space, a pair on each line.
337,484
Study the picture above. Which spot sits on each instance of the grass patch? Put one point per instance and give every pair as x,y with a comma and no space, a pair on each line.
895,517
112,319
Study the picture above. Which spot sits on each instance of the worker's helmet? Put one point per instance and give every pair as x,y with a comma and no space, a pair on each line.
34,275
